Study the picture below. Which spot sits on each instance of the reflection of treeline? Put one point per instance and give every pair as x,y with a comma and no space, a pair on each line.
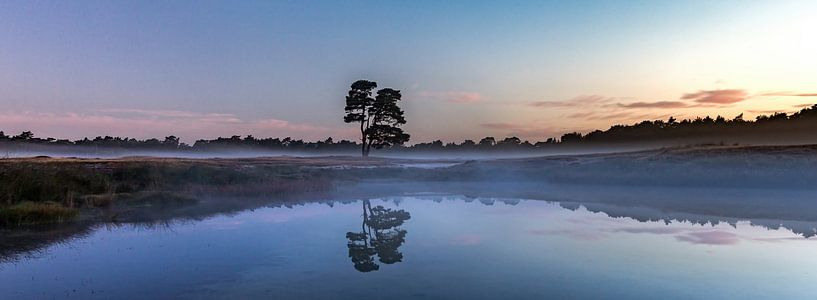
806,229
797,127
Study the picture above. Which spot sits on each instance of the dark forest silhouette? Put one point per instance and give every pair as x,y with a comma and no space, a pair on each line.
780,128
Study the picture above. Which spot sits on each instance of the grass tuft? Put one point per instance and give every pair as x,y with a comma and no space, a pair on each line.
30,213
103,200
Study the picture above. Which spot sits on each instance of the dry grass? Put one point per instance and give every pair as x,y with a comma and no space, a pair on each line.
85,184
29,213
102,200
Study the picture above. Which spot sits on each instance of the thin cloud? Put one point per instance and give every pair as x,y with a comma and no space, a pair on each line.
618,115
717,96
578,101
625,116
500,125
169,114
656,104
463,97
789,94
771,111
580,115
453,96
602,108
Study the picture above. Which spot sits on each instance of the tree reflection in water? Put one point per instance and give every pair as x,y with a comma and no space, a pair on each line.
381,235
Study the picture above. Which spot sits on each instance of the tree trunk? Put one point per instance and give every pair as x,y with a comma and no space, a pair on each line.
363,141
369,147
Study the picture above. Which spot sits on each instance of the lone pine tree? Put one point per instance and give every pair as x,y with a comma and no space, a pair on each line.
380,117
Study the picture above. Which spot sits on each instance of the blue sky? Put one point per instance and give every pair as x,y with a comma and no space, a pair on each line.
200,69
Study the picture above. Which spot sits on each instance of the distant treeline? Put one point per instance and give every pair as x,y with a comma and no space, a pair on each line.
799,127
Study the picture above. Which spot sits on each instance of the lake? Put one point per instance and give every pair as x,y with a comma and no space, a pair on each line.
426,246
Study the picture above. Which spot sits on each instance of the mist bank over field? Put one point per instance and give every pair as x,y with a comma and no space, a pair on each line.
51,199
24,150
77,183
799,128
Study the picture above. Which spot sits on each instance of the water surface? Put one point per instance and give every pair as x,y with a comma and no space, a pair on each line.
422,247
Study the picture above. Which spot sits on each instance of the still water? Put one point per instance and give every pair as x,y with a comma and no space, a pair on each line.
422,247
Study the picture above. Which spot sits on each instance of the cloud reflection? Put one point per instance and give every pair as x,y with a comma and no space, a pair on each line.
466,240
579,234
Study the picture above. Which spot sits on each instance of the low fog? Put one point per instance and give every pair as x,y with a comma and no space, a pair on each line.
13,150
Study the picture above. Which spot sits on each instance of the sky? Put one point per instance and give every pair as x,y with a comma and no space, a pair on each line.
467,69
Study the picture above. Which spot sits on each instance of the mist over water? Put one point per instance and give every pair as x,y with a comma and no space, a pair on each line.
440,246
